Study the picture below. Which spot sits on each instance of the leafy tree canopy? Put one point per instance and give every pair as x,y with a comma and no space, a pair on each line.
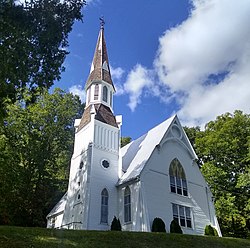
224,149
36,143
125,141
33,41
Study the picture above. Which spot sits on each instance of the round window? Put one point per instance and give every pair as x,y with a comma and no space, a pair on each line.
105,163
176,132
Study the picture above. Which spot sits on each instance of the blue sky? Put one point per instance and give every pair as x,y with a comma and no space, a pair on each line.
167,56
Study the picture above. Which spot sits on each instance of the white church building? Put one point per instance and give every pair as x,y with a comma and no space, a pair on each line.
153,176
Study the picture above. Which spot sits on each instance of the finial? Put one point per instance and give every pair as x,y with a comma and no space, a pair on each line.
102,22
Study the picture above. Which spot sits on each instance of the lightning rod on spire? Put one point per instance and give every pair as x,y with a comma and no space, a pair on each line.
102,22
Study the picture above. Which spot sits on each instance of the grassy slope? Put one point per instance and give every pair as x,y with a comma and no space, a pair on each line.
18,237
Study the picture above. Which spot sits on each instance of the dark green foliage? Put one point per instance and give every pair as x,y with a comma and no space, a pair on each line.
36,145
175,227
116,224
34,36
210,231
158,225
224,150
192,133
125,141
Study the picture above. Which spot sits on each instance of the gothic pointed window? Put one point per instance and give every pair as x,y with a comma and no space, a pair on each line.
105,94
96,92
127,205
104,206
178,183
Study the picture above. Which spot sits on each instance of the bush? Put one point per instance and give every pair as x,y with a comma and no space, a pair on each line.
175,227
158,225
116,224
210,231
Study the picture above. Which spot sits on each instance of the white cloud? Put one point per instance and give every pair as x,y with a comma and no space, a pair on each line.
138,79
117,75
214,40
117,72
203,63
79,91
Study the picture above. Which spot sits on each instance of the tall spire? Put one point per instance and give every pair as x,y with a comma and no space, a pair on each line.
99,87
100,70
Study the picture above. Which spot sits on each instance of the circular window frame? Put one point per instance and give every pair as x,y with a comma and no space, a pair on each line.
104,167
176,131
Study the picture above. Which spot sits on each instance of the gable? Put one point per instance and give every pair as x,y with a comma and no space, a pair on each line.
136,154
59,207
176,133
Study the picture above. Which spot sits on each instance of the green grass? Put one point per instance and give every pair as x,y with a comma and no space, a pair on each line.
19,237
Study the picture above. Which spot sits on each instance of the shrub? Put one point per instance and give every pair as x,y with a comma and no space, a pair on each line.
116,224
175,227
210,231
158,225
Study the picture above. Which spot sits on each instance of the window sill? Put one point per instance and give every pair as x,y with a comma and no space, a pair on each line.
187,228
186,196
127,223
104,224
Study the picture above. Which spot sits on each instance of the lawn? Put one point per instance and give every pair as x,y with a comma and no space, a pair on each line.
20,237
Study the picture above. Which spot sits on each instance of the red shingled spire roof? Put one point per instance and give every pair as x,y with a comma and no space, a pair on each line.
100,65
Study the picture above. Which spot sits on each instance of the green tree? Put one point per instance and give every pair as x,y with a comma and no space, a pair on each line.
175,227
192,133
224,149
116,224
33,38
210,231
125,141
36,142
158,225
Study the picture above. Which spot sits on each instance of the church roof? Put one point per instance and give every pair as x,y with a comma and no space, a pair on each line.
102,113
100,65
59,207
136,154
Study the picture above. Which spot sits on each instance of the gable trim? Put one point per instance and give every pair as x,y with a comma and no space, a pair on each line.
190,152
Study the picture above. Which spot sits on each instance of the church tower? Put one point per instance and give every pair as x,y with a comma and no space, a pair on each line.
95,168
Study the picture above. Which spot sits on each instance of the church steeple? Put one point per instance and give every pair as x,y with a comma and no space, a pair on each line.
99,87
100,70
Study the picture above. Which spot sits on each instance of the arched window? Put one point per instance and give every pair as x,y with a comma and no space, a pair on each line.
110,101
89,94
104,206
127,205
96,92
105,94
178,183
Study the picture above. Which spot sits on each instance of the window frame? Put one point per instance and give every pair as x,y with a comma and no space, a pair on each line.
104,206
96,92
110,99
127,205
105,94
89,94
105,161
182,214
177,178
